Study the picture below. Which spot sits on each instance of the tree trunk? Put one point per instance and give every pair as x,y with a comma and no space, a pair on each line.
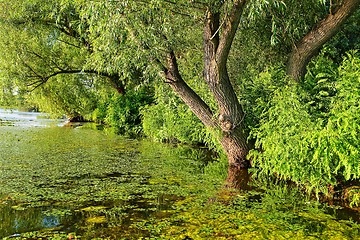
236,148
311,43
231,115
230,121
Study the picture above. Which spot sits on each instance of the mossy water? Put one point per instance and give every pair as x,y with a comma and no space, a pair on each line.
81,183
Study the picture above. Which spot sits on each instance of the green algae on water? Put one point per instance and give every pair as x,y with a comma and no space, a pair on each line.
79,183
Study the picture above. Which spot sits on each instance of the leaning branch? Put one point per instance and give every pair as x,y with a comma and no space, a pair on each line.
186,93
311,43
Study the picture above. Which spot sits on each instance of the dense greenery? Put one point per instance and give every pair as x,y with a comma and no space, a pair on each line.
164,69
122,112
313,139
170,120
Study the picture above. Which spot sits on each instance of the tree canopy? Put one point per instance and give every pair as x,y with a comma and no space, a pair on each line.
249,71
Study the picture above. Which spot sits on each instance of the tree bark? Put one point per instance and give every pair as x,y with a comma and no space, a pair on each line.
189,97
217,43
217,46
311,43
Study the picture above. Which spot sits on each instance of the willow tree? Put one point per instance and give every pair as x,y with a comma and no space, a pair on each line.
163,32
161,36
42,40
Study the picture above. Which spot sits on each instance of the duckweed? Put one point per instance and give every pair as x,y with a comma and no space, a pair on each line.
79,183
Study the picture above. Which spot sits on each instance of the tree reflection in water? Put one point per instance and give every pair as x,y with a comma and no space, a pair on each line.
16,219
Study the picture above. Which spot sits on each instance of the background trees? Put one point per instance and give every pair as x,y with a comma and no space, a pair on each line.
44,42
233,63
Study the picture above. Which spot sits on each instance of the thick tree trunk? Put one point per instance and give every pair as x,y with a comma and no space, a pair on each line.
238,177
231,116
217,43
311,43
236,148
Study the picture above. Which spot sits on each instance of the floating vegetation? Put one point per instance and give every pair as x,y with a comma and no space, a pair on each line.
66,183
93,208
98,219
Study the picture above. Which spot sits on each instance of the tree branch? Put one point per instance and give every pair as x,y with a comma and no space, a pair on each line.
187,94
114,79
44,79
231,23
311,43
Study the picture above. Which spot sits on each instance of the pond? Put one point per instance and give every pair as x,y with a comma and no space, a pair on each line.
60,182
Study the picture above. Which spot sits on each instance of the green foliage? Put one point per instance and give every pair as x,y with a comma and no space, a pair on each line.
344,122
320,84
66,95
258,90
300,146
285,19
127,35
296,127
347,39
37,50
170,120
352,196
121,112
47,58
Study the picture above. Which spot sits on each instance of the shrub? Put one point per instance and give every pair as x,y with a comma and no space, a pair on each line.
170,120
121,112
298,142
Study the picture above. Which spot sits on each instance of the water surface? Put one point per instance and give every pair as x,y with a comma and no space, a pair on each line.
66,183
14,117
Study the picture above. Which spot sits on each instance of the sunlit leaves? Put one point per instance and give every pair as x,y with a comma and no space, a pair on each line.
315,152
129,34
290,20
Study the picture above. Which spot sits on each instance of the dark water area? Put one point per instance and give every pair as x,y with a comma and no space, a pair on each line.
80,183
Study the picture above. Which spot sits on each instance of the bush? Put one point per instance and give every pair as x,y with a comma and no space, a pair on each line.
297,141
122,112
170,120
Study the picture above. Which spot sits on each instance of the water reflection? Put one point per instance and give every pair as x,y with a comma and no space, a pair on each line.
15,220
84,181
93,217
